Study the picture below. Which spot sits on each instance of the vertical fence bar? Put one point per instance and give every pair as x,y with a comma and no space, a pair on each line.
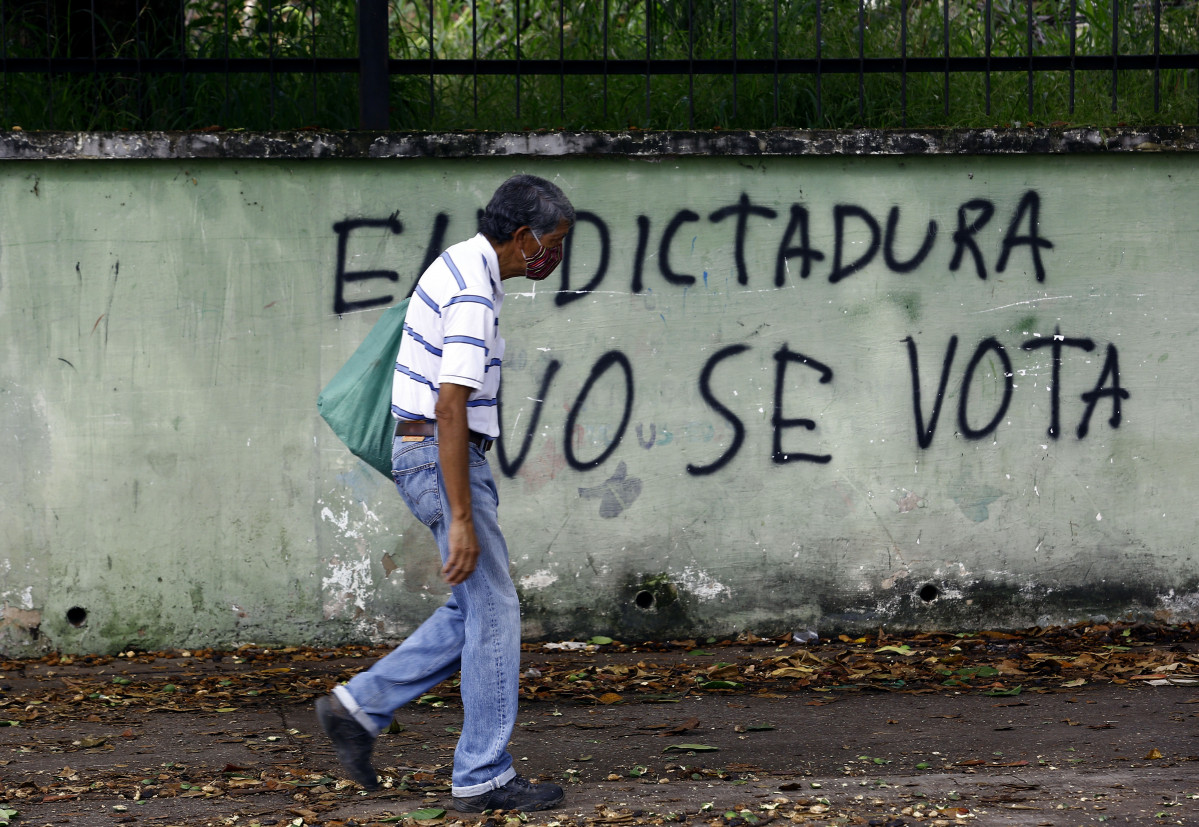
1029,47
315,109
562,62
270,58
903,64
945,46
734,59
372,64
987,80
776,62
819,66
518,61
95,67
49,63
182,32
225,102
605,59
648,32
1115,54
1157,55
691,64
141,78
474,54
861,60
4,59
432,78
1073,48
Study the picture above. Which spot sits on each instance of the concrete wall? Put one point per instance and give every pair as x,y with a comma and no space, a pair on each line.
765,392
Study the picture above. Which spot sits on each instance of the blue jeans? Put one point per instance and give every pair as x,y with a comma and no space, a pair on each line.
477,631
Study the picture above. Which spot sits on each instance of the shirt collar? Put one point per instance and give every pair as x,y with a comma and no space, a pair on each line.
491,262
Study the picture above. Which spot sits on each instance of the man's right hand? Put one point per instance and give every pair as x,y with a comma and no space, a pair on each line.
464,552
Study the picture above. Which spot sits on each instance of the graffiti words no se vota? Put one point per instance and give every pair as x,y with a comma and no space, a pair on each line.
1021,236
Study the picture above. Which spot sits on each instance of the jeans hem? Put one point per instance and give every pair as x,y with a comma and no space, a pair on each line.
478,789
347,700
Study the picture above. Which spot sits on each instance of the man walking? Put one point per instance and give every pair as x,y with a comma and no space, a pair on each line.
444,401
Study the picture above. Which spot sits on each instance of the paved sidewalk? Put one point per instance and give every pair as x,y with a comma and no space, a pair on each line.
105,741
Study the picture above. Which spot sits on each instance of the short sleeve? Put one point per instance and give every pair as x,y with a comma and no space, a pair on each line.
467,318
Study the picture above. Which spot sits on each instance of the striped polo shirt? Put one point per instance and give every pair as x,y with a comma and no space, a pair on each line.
452,334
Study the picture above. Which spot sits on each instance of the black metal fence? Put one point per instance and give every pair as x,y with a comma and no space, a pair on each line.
601,64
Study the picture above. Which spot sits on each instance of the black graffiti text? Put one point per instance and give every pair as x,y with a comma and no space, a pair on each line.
619,368
850,222
972,425
903,246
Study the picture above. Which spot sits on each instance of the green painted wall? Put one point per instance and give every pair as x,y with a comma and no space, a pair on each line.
720,392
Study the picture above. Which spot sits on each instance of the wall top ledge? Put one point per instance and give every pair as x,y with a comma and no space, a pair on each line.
306,145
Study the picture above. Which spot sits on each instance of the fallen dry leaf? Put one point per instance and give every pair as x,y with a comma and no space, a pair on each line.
690,723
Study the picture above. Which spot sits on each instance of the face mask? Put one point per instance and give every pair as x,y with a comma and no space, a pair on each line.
543,262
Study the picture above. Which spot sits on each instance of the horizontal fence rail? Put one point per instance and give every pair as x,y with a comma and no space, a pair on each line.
452,65
553,68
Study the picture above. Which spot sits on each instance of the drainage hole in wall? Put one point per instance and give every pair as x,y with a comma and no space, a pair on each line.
928,593
76,616
644,599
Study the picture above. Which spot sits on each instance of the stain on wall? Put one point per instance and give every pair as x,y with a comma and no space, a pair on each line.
766,394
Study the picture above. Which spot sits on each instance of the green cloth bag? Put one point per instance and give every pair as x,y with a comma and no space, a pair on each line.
357,401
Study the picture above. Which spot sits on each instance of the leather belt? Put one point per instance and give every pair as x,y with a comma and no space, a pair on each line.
427,427
419,427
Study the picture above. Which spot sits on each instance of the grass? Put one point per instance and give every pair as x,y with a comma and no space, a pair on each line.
629,30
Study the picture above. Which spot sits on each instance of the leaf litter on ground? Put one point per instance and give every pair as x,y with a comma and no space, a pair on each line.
57,689
994,663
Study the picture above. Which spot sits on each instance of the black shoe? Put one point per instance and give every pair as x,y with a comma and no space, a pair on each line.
517,794
353,742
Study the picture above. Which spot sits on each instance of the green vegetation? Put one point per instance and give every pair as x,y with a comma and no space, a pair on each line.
628,30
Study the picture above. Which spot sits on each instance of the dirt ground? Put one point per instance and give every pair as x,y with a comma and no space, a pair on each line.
743,733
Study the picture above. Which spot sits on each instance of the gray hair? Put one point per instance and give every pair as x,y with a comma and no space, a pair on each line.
525,199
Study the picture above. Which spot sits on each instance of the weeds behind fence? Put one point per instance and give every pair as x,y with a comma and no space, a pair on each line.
600,64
